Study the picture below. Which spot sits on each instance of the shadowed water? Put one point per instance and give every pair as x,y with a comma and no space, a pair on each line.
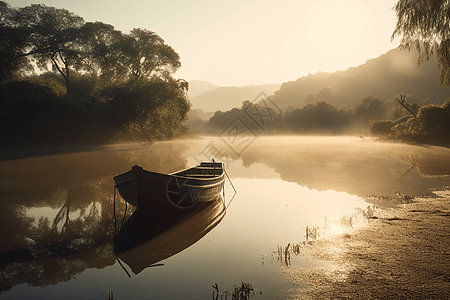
57,220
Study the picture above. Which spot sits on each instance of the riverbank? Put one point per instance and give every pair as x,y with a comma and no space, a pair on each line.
404,253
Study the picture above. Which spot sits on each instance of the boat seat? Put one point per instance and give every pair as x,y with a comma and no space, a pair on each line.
198,175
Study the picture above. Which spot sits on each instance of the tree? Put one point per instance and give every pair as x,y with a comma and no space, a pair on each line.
370,108
13,42
144,54
113,58
166,121
56,39
424,24
102,53
47,34
320,117
136,103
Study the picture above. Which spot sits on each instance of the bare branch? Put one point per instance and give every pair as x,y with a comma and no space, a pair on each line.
402,103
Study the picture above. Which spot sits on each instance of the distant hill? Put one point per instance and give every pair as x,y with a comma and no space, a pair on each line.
225,98
389,75
198,87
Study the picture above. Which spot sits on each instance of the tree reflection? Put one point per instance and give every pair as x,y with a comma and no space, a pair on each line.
353,166
78,189
15,227
431,161
53,255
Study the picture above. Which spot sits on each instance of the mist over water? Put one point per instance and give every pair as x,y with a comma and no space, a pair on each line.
57,211
357,166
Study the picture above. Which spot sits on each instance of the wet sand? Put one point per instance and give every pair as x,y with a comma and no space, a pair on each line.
404,253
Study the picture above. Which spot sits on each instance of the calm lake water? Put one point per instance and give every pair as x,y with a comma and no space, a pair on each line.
57,220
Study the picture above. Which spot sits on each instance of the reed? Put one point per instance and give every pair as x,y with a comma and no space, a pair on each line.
216,292
312,234
284,254
241,292
346,221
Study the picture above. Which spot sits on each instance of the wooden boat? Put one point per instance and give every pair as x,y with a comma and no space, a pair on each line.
147,238
151,191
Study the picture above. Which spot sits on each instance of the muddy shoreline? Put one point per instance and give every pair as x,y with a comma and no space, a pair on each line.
403,253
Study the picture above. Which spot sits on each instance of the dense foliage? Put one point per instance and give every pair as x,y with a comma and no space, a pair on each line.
430,126
320,117
314,118
389,120
95,83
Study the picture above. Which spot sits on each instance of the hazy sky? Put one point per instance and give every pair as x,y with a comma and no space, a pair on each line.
242,42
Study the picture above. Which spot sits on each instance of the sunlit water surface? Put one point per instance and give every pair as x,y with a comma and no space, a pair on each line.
57,221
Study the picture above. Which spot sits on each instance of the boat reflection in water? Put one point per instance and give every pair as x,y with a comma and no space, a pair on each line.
147,238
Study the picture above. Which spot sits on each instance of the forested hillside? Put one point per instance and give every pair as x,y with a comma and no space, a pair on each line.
396,72
346,102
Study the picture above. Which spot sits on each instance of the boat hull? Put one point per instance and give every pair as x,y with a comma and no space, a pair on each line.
151,191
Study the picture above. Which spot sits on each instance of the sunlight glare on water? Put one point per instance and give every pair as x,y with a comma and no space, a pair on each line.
282,209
